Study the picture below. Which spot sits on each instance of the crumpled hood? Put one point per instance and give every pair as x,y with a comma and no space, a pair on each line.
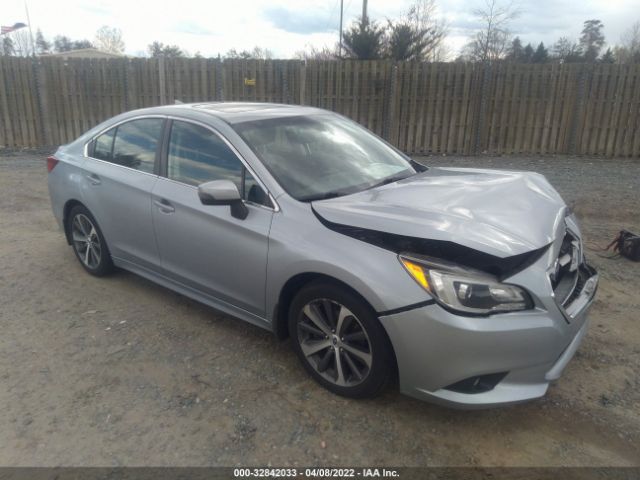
501,213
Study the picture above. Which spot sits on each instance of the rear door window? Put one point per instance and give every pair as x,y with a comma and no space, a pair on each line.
103,146
136,144
133,144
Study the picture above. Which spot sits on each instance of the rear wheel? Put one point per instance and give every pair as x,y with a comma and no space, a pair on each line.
340,341
88,242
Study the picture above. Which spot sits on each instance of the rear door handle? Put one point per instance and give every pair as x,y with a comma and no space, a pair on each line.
164,206
93,179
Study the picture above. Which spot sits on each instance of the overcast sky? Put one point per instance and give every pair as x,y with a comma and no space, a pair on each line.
286,26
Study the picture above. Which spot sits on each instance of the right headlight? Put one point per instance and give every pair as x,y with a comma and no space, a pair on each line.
465,290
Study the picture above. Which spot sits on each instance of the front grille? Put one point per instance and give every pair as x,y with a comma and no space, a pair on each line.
583,275
565,272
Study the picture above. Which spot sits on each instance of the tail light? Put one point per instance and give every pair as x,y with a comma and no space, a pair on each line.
51,163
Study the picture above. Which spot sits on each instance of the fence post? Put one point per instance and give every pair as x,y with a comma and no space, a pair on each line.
577,111
125,84
218,66
389,108
284,75
303,81
161,81
42,101
480,112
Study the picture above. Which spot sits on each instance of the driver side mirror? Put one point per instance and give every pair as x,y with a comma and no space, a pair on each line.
223,192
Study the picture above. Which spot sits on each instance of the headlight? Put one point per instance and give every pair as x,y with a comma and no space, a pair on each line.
465,290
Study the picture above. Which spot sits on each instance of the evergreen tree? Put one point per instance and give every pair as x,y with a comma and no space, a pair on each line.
62,43
527,54
42,45
541,55
516,51
159,49
592,40
608,56
364,39
7,48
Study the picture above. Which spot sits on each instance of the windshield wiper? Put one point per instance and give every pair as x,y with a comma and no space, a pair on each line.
389,180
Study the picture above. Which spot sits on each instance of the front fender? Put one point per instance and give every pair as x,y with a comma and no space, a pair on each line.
299,243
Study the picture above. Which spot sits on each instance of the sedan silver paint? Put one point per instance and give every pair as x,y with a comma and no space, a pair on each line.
470,285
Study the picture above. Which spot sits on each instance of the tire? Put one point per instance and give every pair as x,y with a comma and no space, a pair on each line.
337,357
88,243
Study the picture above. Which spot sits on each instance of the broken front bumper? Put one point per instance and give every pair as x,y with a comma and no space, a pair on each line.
484,361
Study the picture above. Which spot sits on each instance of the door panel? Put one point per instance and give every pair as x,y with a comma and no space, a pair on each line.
120,200
117,184
204,247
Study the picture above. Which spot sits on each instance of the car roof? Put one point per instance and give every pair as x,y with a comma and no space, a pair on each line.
236,112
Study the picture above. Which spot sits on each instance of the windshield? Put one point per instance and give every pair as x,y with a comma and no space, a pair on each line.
323,156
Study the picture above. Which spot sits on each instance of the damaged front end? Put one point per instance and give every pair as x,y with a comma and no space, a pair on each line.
500,267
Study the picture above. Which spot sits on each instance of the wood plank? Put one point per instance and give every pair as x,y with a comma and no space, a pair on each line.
7,135
606,120
428,110
634,135
463,129
494,107
632,83
567,110
454,109
18,102
552,85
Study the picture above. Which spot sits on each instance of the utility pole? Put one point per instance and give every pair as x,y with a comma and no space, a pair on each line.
364,10
341,13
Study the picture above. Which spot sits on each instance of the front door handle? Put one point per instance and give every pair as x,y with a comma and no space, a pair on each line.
93,179
164,206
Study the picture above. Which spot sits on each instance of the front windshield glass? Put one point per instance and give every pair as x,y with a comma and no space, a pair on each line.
322,156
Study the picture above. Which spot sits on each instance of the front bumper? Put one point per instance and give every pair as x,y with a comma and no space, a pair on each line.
436,349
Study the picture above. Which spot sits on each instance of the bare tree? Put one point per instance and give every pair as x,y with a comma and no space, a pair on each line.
629,50
492,41
258,53
566,51
261,53
442,53
424,15
312,53
416,34
21,43
109,39
631,37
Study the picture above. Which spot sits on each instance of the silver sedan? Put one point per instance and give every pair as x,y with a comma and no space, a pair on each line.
470,286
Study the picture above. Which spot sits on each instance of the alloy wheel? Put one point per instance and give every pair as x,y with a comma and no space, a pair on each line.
86,241
334,342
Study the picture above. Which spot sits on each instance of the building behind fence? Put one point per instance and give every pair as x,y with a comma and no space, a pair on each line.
422,108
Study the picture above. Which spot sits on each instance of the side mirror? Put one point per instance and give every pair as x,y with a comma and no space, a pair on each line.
223,192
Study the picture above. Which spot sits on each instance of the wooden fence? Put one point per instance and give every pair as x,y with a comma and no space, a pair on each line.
430,108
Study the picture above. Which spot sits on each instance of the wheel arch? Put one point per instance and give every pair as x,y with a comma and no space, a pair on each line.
68,206
294,284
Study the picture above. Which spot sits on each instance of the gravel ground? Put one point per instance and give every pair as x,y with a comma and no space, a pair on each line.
119,371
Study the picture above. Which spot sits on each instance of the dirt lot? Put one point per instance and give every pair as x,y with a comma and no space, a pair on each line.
119,371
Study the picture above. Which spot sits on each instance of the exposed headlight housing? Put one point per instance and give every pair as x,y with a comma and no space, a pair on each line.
465,290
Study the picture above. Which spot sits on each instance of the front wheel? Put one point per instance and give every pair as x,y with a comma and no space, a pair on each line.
340,341
88,242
